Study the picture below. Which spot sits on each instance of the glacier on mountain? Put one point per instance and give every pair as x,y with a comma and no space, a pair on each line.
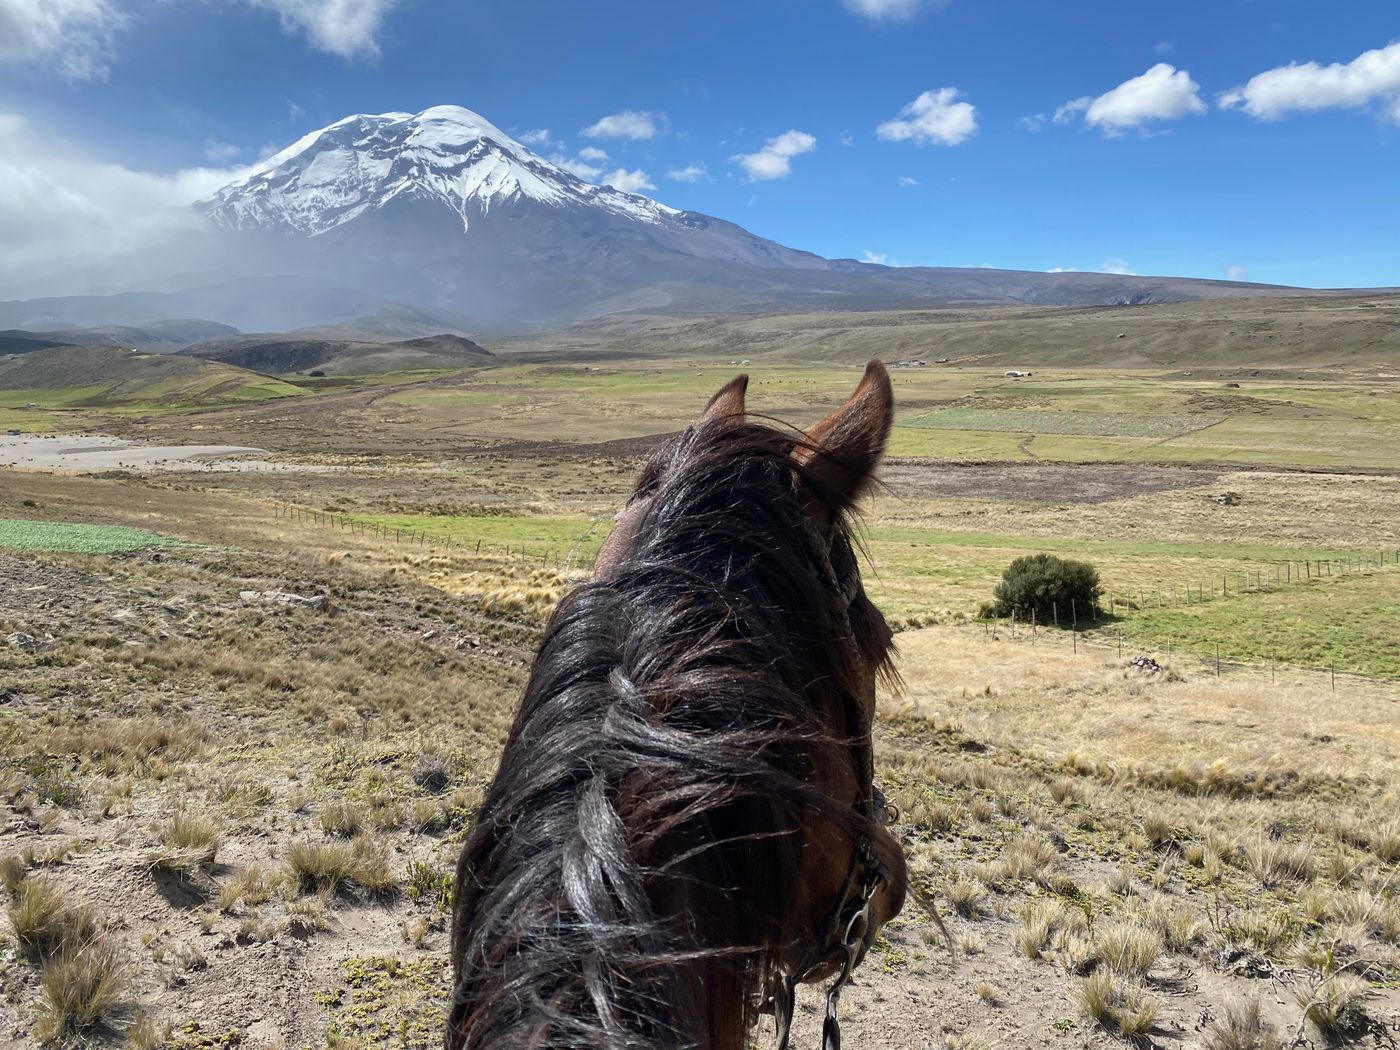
446,154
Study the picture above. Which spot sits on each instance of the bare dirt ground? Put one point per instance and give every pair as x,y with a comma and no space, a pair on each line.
1037,483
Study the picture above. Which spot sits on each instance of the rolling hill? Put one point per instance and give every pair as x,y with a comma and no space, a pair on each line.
160,337
109,376
285,354
1223,334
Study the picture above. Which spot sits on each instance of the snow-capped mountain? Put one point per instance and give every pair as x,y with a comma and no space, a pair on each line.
443,211
446,154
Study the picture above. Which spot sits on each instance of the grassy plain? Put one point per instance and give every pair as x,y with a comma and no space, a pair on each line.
246,812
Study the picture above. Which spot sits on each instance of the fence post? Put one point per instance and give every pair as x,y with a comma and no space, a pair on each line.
1217,659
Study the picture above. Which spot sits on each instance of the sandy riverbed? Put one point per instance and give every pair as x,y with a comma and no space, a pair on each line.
87,453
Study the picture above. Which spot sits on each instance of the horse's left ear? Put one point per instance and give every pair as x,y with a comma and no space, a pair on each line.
843,450
729,401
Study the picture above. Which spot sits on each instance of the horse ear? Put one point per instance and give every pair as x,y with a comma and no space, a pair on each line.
729,401
843,449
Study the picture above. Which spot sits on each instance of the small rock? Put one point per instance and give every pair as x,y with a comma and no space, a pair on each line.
27,642
296,601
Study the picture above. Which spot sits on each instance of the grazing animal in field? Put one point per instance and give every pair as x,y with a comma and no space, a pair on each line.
684,825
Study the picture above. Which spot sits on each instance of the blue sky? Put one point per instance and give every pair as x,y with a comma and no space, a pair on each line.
1015,133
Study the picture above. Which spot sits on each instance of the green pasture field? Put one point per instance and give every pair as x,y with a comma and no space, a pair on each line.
536,535
1078,423
71,538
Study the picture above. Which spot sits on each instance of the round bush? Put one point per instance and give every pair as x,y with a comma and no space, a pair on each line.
1049,587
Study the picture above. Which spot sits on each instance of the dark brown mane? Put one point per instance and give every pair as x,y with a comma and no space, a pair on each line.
632,865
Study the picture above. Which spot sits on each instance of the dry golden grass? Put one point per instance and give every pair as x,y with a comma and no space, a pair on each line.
1118,1004
1242,1027
331,867
47,921
343,818
188,843
85,989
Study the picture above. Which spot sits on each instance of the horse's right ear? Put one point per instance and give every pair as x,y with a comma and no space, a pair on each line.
843,450
729,401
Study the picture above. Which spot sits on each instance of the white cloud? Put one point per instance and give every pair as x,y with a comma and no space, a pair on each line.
1062,269
577,166
347,28
593,154
882,9
1118,266
1162,93
906,181
629,124
537,137
878,259
1372,77
774,160
1035,122
61,209
629,181
690,173
1236,273
217,152
888,10
75,37
934,117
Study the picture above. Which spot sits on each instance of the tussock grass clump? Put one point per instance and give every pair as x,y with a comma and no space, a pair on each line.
47,922
1274,862
1128,949
336,867
1242,1028
249,888
12,872
426,814
431,772
1117,1004
1027,857
1157,828
83,990
343,818
965,896
1385,842
1337,1007
1039,918
188,842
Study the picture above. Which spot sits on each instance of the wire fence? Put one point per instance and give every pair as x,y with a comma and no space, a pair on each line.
1215,659
1095,628
560,556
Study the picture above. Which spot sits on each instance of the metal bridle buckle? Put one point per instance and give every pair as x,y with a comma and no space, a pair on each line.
852,944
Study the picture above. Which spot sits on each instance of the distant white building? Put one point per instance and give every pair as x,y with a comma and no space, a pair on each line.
1013,374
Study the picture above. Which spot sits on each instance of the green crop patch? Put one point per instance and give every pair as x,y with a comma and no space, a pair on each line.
69,537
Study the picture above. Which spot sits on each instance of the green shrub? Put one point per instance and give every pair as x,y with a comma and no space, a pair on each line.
1049,587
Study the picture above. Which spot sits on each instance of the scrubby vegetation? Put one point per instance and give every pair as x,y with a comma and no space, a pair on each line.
1051,589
